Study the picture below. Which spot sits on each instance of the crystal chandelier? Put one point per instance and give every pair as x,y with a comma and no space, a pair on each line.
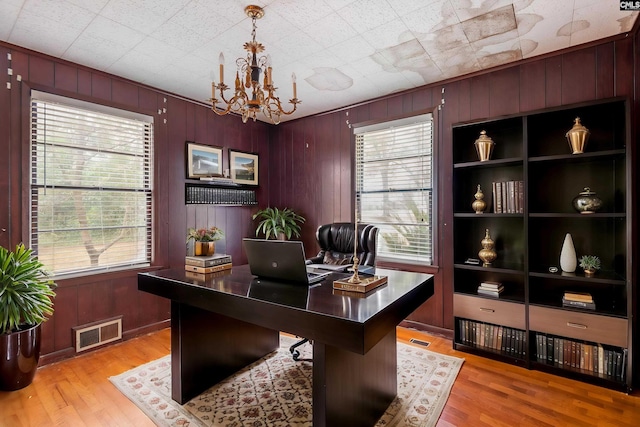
261,97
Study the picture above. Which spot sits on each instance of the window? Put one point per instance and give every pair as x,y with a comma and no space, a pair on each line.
91,186
394,186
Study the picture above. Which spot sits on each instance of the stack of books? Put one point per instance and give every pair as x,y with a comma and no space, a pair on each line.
207,264
578,300
492,289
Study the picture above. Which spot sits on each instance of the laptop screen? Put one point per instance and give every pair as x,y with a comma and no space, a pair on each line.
281,260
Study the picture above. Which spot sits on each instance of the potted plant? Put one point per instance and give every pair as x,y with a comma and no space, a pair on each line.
205,239
278,223
26,299
589,263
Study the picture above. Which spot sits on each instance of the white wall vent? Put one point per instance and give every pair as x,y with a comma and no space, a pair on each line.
97,333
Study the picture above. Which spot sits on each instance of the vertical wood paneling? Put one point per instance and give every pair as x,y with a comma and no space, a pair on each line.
504,95
84,82
66,77
532,87
553,81
41,71
101,86
625,51
479,101
6,146
124,93
605,71
579,76
65,316
463,102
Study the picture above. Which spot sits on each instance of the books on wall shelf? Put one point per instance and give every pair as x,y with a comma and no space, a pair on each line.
207,264
492,289
507,340
508,197
578,300
590,357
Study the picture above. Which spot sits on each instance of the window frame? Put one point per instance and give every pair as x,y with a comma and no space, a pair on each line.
433,116
33,95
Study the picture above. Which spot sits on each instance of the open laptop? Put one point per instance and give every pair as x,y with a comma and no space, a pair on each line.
281,260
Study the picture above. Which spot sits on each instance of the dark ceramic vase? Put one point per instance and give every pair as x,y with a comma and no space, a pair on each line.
19,355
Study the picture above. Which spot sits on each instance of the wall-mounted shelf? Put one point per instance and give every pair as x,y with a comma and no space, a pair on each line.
213,194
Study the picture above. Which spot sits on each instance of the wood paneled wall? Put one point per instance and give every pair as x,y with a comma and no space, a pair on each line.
97,297
305,164
315,154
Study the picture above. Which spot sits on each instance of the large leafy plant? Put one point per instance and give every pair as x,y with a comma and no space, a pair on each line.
275,222
26,291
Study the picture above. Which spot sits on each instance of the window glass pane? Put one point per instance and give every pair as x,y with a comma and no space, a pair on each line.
394,188
91,187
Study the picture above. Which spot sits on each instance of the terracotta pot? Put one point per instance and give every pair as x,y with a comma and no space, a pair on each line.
19,356
204,248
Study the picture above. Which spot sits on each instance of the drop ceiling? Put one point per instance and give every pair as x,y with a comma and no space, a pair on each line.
342,51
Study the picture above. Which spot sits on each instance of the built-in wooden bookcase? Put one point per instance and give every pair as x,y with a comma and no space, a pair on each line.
533,149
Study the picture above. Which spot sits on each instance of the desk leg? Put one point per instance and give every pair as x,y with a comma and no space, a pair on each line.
207,347
351,389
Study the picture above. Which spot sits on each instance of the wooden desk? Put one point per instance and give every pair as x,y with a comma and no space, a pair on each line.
224,323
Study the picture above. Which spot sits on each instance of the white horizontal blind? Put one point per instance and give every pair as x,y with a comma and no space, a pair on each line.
91,186
394,187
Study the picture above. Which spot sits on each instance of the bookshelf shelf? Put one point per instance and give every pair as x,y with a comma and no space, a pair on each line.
532,149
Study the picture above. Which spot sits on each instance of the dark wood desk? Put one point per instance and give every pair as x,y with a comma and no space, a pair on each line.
224,323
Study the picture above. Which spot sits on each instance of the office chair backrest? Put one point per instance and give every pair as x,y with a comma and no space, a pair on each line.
336,243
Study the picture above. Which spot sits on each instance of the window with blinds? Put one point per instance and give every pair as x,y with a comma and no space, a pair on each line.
394,186
91,186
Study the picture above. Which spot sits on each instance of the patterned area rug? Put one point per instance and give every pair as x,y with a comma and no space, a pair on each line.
276,391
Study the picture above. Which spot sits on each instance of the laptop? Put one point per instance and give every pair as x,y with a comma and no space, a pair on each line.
281,260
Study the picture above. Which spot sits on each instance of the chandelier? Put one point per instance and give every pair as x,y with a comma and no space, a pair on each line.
250,97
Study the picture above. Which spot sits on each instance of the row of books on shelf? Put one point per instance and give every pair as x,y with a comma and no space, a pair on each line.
507,340
222,196
578,300
591,357
492,289
508,197
207,264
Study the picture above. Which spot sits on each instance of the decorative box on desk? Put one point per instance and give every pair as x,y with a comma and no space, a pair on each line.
218,194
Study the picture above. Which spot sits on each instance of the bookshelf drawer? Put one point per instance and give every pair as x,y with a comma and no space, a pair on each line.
489,311
583,326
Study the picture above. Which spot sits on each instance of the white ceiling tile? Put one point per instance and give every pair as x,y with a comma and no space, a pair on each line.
324,30
351,50
365,15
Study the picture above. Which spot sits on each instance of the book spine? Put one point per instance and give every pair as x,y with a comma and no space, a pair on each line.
196,269
208,262
498,197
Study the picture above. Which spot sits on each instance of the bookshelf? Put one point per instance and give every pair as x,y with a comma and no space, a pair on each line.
212,194
532,149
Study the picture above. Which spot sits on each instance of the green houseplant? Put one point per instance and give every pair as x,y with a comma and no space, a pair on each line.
589,263
278,223
26,299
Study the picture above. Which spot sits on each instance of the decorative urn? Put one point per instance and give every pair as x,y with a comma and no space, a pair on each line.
577,137
484,146
587,202
487,254
479,204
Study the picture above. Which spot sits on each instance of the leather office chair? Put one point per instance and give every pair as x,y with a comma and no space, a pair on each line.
336,247
336,244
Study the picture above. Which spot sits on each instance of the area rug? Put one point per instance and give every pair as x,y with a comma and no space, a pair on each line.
275,391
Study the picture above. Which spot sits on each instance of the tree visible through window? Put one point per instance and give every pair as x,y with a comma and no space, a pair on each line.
394,186
91,185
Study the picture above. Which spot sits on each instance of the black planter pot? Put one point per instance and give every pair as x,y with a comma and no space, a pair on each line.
19,355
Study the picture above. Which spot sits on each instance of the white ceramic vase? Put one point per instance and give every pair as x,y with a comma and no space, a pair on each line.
568,258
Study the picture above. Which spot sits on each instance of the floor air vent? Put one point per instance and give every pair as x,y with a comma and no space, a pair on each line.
419,342
96,334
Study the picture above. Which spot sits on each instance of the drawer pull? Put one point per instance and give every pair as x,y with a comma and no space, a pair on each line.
576,325
487,310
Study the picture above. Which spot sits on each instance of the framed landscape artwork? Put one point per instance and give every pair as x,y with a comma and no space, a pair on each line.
244,167
203,160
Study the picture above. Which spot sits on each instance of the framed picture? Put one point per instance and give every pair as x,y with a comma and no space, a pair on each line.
244,167
203,160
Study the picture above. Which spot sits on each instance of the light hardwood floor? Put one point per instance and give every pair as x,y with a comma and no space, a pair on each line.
77,392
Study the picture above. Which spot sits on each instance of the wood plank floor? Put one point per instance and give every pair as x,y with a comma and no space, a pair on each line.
77,392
